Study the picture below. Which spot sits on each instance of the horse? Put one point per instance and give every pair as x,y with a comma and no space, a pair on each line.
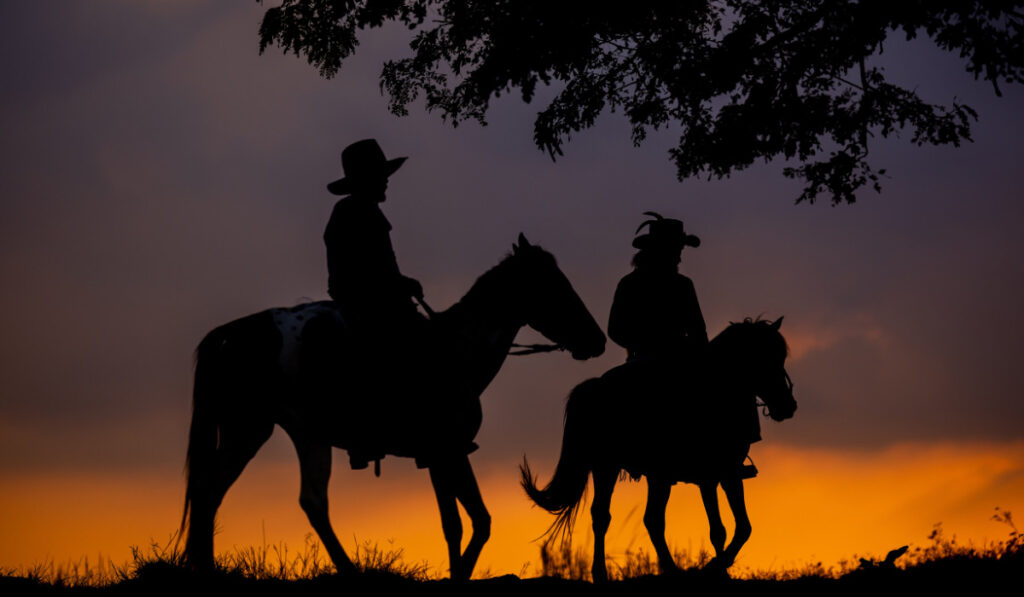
270,368
695,426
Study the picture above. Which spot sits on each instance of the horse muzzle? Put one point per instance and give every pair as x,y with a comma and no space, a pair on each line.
781,412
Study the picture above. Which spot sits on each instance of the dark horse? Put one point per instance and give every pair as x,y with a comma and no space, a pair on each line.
270,368
694,426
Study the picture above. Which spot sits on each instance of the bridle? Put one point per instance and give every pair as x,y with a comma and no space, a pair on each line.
534,348
789,388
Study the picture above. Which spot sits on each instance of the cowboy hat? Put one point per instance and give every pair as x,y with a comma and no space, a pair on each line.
665,233
363,160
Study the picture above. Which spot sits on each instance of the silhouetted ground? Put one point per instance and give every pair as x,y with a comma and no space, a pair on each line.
956,574
944,567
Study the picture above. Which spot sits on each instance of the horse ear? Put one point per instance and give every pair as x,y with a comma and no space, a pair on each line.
522,241
777,324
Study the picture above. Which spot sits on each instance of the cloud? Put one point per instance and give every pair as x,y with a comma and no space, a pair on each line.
170,179
809,337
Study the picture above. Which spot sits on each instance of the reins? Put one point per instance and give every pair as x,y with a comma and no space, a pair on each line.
430,312
534,348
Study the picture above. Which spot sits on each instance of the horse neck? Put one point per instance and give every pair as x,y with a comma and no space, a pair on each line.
731,369
483,325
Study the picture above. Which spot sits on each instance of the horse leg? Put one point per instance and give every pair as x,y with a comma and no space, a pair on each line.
658,491
468,493
315,466
709,495
442,477
601,516
734,494
238,444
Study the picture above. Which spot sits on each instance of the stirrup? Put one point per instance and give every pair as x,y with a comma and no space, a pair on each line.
360,462
748,471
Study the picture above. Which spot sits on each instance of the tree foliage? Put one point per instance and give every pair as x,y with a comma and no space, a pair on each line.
743,80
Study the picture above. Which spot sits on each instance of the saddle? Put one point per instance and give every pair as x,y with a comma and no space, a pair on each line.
668,425
385,388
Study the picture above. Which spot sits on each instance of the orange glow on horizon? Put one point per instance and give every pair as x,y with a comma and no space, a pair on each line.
806,507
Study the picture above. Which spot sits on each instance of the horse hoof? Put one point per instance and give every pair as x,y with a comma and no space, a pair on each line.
717,568
458,574
346,569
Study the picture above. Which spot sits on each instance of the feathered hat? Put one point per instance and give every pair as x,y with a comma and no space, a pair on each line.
664,233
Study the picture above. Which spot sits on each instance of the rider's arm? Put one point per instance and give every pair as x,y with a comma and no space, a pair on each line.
695,319
621,320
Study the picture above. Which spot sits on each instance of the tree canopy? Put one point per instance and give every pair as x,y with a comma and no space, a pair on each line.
743,80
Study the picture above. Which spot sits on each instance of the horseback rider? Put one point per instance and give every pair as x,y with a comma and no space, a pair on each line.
363,276
655,314
365,282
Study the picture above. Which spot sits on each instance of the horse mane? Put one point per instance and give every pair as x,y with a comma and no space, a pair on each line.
750,330
490,282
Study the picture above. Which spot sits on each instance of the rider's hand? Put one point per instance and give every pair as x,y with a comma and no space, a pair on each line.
414,288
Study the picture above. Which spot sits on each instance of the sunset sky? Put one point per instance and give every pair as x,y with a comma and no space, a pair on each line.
159,178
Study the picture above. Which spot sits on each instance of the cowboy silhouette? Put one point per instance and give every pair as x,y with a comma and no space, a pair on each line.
655,314
366,284
363,276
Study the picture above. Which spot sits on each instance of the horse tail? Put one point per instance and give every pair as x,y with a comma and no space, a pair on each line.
200,459
565,494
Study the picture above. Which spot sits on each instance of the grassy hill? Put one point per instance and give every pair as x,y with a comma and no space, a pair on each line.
942,567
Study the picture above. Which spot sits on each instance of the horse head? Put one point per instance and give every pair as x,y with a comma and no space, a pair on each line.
550,305
774,386
765,351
